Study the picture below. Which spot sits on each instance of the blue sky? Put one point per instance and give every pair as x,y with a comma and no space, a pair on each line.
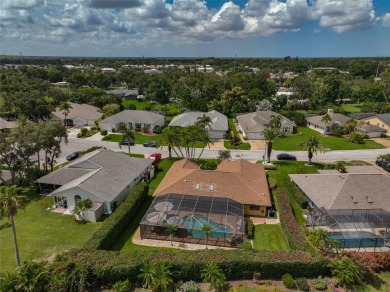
193,28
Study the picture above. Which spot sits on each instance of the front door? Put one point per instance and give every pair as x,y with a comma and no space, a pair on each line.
60,202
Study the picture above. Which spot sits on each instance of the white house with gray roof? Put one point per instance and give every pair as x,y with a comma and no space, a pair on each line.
80,115
103,176
217,128
133,119
253,124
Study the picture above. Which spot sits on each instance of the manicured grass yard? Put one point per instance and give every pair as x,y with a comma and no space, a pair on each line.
139,138
291,142
141,105
232,126
269,237
352,107
41,233
242,146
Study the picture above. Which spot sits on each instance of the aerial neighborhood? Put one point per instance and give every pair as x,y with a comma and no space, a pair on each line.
130,174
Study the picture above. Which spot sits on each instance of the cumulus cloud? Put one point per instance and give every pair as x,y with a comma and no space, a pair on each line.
386,19
20,4
113,3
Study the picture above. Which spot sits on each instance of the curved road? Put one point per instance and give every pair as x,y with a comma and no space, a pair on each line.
75,144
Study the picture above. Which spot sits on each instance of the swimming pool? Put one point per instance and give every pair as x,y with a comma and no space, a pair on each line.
194,224
357,239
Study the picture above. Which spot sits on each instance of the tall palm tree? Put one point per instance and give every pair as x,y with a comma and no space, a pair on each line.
204,121
172,228
128,136
212,274
204,138
326,119
275,122
269,135
312,145
65,107
10,202
350,126
170,138
206,228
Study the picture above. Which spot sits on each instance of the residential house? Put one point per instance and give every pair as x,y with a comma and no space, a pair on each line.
217,128
125,94
80,115
103,176
238,180
316,123
380,120
361,187
133,119
6,126
251,125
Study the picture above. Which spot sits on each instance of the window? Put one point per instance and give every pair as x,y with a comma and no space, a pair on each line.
254,207
77,199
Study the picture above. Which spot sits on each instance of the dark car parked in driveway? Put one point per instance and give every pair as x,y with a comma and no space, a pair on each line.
72,156
150,144
286,156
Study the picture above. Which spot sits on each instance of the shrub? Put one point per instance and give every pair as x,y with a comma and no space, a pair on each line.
190,286
347,272
249,228
372,262
93,148
83,132
356,137
157,130
103,132
130,106
93,128
319,283
113,226
247,246
208,165
288,281
122,286
296,194
295,234
272,183
302,284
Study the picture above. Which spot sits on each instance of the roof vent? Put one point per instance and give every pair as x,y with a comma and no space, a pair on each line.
197,186
211,187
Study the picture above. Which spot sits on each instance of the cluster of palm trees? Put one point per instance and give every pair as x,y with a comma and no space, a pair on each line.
158,276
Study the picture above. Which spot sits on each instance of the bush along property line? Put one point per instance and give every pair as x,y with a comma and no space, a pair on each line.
114,226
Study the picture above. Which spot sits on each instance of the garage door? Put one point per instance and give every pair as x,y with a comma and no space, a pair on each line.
255,136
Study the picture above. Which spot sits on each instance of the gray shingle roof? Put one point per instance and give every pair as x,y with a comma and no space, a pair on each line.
346,191
133,116
219,122
385,117
84,111
123,92
5,176
336,118
359,116
103,172
258,121
6,124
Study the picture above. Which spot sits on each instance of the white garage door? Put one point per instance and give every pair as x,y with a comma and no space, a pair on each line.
255,136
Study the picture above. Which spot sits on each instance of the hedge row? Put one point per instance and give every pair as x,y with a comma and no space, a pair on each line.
114,225
294,233
296,194
111,266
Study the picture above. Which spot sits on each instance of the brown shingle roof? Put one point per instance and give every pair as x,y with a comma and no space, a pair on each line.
238,180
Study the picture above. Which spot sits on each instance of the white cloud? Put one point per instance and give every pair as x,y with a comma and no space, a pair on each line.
386,20
20,4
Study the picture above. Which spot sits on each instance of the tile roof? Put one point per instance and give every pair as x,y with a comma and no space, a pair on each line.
219,122
336,118
84,111
259,120
347,190
133,116
239,180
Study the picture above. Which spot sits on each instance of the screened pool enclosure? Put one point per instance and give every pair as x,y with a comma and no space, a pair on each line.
190,214
364,230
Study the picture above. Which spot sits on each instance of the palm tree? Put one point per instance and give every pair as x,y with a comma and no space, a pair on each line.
66,107
269,135
214,275
172,228
162,279
326,119
204,121
275,122
204,138
128,136
10,202
312,145
170,138
347,271
147,275
350,126
206,228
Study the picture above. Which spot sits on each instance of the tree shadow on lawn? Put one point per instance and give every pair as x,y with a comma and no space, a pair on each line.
375,281
5,225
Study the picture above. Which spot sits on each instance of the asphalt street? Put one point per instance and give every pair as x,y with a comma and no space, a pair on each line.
75,144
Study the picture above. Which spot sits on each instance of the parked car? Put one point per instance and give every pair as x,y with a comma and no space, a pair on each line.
383,163
127,142
156,158
150,144
286,156
73,156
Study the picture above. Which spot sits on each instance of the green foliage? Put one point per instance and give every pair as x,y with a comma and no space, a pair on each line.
190,286
249,228
302,284
272,183
356,137
103,132
156,275
122,286
320,283
288,281
321,240
67,276
93,148
247,246
208,165
297,117
214,275
224,154
113,226
348,272
83,132
296,194
157,130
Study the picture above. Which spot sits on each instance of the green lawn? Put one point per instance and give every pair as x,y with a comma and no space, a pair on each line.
41,233
124,243
242,146
269,237
232,126
352,107
139,138
291,142
141,105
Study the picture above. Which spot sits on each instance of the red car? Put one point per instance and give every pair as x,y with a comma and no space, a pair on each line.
156,158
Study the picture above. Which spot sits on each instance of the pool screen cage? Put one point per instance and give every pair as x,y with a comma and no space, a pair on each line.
189,214
366,229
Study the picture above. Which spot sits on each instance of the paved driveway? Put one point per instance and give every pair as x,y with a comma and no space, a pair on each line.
385,142
257,144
